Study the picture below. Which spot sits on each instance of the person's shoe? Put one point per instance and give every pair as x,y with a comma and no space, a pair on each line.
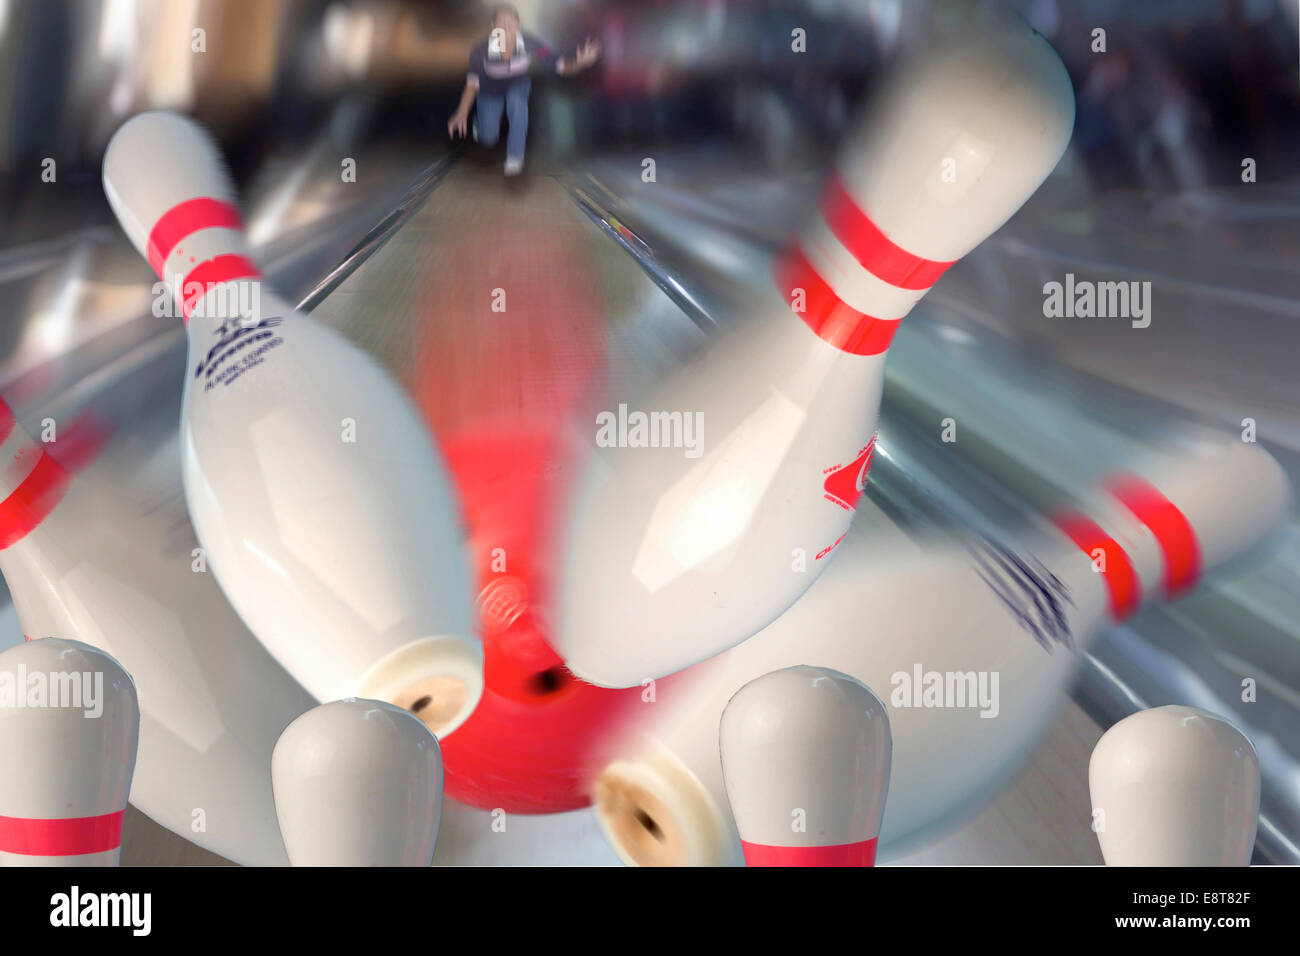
514,167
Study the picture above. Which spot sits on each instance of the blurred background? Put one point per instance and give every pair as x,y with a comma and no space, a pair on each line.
1184,171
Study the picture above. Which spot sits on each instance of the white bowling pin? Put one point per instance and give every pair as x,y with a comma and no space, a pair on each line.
69,723
323,508
672,557
805,759
1013,419
81,561
971,646
1174,786
358,783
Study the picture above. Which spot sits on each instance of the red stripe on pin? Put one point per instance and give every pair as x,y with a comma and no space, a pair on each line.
33,499
1121,577
206,275
1170,526
826,314
874,250
71,837
844,854
184,220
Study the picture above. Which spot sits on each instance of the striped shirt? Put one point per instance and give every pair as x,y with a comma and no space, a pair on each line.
490,73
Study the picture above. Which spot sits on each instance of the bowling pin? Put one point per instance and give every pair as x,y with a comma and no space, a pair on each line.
82,559
677,553
969,641
1174,786
1045,435
311,481
69,723
805,759
358,783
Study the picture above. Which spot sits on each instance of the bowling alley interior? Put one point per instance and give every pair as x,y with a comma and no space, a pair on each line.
577,433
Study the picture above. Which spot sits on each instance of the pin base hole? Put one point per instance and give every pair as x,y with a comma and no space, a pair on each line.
652,828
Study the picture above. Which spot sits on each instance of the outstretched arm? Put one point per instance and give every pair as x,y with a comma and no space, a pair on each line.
460,119
587,54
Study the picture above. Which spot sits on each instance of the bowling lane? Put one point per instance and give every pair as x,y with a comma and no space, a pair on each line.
490,301
1043,815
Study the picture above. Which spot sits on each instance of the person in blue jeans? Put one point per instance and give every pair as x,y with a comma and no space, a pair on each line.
498,79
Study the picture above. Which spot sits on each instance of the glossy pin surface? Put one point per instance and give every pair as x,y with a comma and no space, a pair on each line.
69,724
805,758
1174,786
969,679
677,553
313,486
358,783
113,566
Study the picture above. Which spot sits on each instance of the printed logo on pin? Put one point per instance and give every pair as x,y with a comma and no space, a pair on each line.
845,484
